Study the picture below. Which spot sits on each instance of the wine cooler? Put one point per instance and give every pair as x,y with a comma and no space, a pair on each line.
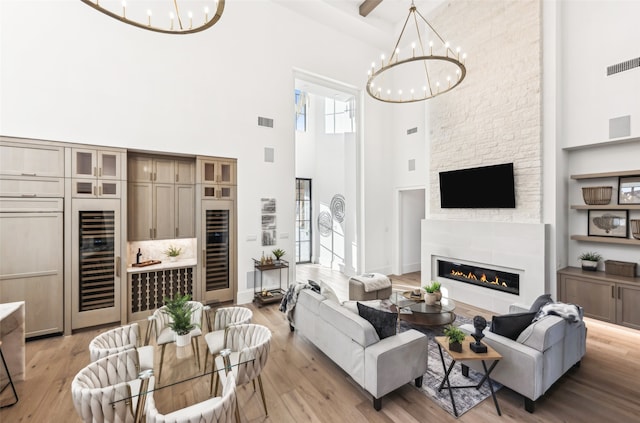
218,260
96,257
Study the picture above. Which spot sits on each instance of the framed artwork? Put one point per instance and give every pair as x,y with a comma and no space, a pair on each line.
612,223
629,190
268,221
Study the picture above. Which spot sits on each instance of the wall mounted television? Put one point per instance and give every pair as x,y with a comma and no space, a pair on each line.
487,187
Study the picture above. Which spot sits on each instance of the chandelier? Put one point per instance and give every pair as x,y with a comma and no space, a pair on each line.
163,16
426,68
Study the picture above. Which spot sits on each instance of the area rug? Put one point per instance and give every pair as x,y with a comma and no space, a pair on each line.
465,399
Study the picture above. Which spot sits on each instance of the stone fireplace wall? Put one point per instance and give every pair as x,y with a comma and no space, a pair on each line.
514,247
494,116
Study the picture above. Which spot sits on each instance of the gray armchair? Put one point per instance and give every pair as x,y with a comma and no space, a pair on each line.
543,352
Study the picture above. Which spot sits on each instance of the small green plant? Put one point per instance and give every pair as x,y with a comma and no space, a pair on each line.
173,251
180,310
434,286
454,334
278,253
590,256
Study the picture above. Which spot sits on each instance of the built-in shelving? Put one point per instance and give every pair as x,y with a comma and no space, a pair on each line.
628,207
606,240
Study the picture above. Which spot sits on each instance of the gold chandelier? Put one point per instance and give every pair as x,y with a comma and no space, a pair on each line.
168,18
430,68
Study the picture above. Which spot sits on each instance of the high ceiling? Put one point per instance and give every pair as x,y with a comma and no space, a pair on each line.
390,12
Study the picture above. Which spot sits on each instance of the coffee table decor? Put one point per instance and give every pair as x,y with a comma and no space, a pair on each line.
479,323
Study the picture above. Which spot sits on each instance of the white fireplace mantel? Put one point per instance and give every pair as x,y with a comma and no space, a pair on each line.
516,246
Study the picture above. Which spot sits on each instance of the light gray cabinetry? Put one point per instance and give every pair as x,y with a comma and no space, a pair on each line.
160,207
31,261
29,169
96,173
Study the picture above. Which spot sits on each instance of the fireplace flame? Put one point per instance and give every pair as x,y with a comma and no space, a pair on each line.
483,278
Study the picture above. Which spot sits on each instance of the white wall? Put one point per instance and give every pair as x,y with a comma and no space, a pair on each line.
597,34
412,211
71,74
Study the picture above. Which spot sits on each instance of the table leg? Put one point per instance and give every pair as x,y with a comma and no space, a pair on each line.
488,378
446,379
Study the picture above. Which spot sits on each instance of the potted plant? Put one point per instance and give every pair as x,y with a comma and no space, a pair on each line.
278,253
456,337
180,310
172,252
589,260
436,286
431,297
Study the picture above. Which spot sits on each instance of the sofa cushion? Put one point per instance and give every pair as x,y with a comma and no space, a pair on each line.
350,324
511,325
328,292
383,322
539,302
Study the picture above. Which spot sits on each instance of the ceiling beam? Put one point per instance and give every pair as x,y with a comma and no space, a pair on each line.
367,6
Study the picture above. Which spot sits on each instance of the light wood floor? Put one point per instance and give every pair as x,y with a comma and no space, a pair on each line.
302,385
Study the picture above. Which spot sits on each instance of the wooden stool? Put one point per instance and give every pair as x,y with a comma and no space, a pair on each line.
15,394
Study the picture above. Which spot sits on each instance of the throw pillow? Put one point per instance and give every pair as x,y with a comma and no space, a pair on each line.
511,325
314,286
539,302
383,322
328,292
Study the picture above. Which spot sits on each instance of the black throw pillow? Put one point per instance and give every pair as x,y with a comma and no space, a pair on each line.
540,301
511,325
383,322
314,286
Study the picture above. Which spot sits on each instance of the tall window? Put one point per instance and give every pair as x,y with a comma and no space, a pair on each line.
301,111
339,116
303,220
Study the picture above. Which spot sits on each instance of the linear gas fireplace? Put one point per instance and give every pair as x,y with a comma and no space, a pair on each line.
480,276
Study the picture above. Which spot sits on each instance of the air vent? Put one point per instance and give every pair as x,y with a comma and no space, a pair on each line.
412,131
624,66
412,165
269,155
263,121
620,127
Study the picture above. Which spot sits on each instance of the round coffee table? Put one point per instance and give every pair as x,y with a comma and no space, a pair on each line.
419,313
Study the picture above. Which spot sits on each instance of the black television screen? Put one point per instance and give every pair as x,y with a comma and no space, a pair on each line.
486,187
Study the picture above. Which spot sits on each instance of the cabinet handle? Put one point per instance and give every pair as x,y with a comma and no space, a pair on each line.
155,233
176,232
619,293
151,233
100,190
177,178
94,171
613,292
94,190
204,258
99,171
118,266
29,174
28,195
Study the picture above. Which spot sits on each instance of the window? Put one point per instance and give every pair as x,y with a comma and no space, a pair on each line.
338,116
301,111
303,220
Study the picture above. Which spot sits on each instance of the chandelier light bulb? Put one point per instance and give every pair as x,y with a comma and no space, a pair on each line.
148,17
431,48
171,19
399,92
124,9
190,14
206,14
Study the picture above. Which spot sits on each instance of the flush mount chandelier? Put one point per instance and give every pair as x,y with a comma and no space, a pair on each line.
430,66
167,16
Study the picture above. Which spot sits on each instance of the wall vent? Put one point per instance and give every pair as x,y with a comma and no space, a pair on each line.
269,155
412,131
623,66
263,121
412,165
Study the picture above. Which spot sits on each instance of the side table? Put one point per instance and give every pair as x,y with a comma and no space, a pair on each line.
467,355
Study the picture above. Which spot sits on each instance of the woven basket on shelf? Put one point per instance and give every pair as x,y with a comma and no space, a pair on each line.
597,195
620,268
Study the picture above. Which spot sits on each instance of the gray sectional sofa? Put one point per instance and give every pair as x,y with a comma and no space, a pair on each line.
378,366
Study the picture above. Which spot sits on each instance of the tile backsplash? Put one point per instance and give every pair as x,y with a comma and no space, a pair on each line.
154,250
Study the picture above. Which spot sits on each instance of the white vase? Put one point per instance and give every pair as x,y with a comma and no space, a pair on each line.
589,265
430,299
183,340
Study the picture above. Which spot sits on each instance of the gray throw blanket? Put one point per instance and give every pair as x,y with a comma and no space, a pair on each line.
290,299
569,312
